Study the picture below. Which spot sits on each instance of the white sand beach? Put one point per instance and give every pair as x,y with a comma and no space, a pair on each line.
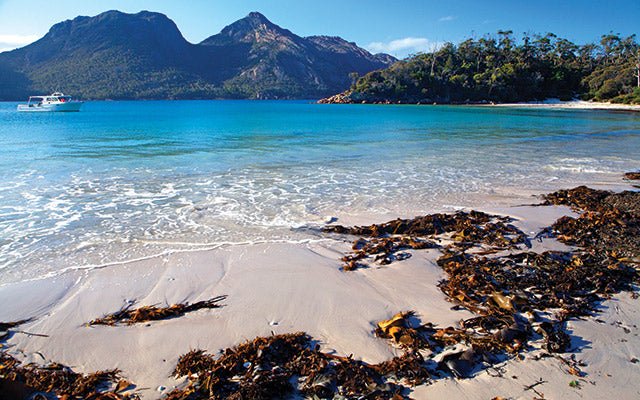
290,287
573,104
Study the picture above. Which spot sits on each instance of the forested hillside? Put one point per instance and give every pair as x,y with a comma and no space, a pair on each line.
502,69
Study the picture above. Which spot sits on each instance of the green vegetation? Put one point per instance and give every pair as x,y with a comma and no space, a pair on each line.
501,69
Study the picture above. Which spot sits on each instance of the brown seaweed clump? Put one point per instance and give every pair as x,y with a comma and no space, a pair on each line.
387,241
282,365
130,316
609,223
521,297
632,176
527,281
22,381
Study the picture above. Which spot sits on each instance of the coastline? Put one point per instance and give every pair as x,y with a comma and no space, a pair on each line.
572,105
276,288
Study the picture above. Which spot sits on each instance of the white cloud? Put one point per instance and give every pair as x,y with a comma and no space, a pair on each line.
10,42
405,46
447,18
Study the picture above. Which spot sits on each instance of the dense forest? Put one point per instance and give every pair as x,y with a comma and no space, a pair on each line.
499,68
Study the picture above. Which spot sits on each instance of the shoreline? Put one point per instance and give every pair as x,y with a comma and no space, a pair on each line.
572,105
544,104
337,309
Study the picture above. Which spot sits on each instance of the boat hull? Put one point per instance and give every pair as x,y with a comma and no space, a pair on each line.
72,106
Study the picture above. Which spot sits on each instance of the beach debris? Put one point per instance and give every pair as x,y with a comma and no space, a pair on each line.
461,364
387,242
573,365
580,198
609,223
532,387
508,291
130,316
633,176
281,365
556,339
60,381
7,328
403,333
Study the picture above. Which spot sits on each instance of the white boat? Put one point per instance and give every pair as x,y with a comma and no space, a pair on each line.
54,102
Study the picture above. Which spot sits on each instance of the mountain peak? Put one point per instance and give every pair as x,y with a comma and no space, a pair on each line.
248,29
257,17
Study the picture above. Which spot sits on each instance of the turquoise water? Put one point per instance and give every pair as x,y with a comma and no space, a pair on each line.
123,180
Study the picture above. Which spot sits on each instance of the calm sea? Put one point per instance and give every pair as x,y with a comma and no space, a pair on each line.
124,180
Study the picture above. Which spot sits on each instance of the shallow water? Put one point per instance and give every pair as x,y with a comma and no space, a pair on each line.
124,180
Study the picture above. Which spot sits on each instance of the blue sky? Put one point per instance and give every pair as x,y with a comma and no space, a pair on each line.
396,27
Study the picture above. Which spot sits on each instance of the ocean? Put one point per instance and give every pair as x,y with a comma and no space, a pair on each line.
126,180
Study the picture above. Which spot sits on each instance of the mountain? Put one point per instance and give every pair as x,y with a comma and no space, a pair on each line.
272,62
144,56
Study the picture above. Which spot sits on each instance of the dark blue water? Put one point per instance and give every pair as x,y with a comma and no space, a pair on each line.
122,180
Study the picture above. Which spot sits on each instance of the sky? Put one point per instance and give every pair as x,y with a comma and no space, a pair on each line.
397,27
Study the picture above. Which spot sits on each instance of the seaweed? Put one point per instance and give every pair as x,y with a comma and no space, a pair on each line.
276,366
467,229
129,316
59,380
632,176
6,328
509,293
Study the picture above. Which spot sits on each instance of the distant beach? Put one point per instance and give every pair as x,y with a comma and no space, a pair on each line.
573,105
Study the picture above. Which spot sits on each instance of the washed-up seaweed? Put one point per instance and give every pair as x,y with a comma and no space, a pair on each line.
633,176
130,316
281,365
21,381
510,293
386,250
581,198
571,281
433,224
386,242
609,222
6,326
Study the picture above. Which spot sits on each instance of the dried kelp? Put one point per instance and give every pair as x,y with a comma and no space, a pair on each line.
408,335
570,281
59,380
130,316
633,176
581,198
433,224
609,222
509,292
280,365
385,250
386,242
8,325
